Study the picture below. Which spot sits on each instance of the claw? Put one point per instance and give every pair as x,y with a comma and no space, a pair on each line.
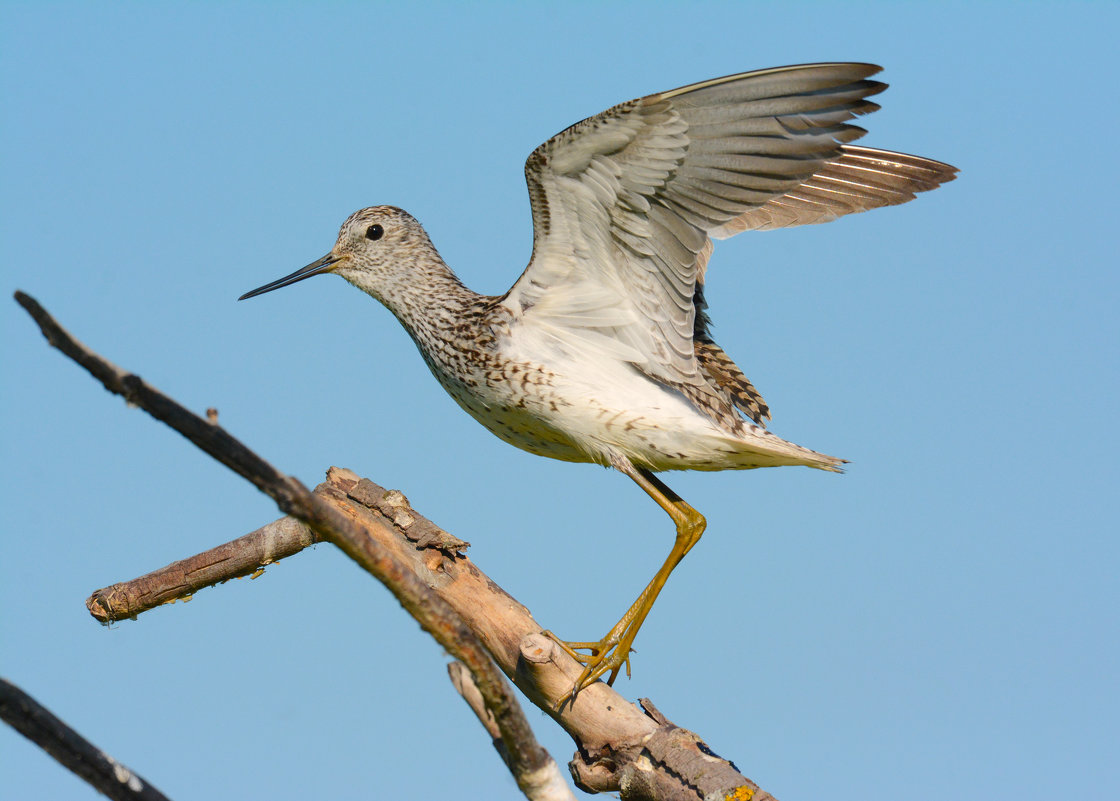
610,653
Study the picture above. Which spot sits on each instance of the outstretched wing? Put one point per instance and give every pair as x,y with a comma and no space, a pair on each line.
624,204
860,178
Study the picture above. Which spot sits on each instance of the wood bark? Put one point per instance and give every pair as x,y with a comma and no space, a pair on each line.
622,748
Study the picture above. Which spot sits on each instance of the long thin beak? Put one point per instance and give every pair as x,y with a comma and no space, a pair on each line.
323,265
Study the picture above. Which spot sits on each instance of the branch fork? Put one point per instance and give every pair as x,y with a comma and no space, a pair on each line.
621,748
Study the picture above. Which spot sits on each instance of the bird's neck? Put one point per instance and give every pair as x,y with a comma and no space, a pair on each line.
427,297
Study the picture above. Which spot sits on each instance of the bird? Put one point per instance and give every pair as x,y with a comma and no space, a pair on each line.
601,351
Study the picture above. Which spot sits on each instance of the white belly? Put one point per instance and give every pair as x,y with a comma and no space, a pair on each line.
557,401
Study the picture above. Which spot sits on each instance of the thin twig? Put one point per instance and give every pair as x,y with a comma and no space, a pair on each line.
547,784
73,751
244,556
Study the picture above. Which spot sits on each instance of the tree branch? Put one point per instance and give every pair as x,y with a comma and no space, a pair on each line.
244,556
73,751
431,611
621,748
547,784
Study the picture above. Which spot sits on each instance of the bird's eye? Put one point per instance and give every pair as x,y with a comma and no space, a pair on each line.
375,231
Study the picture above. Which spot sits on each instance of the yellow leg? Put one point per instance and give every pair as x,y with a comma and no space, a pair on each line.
613,651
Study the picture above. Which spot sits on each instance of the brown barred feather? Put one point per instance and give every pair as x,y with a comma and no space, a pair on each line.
730,383
730,378
715,402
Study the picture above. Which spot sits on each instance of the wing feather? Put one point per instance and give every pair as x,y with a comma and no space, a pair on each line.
861,178
624,204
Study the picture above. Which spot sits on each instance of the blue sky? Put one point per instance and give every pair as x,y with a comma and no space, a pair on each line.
942,618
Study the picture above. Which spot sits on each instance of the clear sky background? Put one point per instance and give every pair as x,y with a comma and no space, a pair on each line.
941,620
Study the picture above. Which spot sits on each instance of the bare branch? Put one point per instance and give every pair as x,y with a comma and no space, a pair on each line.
432,612
180,580
461,681
620,748
545,783
73,751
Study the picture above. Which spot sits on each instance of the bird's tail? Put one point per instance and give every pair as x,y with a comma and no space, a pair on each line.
757,447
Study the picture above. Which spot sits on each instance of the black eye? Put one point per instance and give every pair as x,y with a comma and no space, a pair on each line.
375,231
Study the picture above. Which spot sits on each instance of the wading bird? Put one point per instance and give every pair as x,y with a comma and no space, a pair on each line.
600,352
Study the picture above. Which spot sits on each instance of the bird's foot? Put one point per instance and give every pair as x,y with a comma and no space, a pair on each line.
610,653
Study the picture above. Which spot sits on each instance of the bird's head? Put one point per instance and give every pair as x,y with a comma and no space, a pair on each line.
372,245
